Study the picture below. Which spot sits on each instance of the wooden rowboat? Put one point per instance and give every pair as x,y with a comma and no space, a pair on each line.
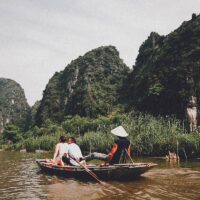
127,171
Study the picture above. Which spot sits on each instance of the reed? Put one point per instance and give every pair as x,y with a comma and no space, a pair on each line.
96,141
149,135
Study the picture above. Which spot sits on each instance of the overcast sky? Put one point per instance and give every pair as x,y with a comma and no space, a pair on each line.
40,37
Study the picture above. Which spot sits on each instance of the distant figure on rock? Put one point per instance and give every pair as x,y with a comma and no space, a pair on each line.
172,156
192,113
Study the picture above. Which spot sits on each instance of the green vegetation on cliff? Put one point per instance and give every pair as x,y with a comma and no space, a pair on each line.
87,99
88,86
14,108
149,136
167,71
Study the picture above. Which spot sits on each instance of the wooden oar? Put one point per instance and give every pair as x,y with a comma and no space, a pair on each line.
111,187
88,171
129,156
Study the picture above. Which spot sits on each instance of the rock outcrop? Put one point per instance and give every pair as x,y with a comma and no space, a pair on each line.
167,71
88,86
13,104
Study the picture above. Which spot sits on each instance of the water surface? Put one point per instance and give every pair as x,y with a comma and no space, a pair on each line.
20,178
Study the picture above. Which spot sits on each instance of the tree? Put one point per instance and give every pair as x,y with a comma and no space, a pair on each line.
11,134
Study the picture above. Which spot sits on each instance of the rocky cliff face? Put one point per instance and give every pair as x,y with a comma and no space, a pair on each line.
167,71
13,104
88,86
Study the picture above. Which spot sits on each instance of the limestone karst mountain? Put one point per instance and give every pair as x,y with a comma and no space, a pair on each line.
13,104
167,71
88,86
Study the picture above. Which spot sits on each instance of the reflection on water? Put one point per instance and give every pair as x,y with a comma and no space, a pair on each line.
21,179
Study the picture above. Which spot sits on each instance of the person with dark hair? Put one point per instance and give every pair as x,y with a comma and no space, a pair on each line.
60,149
119,151
71,140
73,153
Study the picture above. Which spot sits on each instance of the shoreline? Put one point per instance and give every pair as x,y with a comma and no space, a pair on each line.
40,151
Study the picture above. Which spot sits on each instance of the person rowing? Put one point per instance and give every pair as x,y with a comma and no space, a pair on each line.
119,151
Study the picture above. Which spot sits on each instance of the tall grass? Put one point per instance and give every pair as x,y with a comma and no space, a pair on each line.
152,136
149,135
96,141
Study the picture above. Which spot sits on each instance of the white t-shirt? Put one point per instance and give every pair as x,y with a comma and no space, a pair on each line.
62,148
74,151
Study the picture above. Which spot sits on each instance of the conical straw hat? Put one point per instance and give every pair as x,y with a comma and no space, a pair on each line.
119,131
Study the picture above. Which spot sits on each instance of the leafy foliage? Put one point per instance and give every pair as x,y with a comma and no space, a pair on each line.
85,99
167,71
14,108
11,134
89,87
149,135
82,125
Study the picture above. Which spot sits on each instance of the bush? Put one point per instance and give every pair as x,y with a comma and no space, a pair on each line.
11,134
96,141
149,135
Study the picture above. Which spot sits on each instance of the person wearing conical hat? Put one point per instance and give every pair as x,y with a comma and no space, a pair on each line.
119,150
121,146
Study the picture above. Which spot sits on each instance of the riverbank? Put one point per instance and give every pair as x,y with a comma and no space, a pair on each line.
149,135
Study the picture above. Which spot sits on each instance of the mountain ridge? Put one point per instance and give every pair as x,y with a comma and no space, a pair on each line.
166,72
13,104
88,86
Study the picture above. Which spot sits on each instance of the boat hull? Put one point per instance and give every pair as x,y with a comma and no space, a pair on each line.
110,172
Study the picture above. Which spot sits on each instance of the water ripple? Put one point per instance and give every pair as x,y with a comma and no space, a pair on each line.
21,179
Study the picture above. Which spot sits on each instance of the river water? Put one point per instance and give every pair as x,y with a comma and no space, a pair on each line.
20,178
